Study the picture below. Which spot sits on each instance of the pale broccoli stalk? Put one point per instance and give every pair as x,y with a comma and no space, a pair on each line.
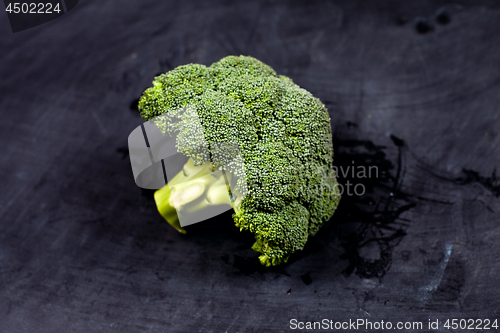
192,189
285,139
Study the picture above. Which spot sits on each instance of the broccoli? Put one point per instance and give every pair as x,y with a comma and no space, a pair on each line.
285,139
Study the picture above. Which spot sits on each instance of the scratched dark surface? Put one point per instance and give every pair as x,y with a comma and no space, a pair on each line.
412,87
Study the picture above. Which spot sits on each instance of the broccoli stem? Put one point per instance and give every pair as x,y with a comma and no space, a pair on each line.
191,190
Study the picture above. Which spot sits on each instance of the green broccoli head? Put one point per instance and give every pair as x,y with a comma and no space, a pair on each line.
285,139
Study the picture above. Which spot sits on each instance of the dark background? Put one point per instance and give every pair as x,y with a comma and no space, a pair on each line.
412,87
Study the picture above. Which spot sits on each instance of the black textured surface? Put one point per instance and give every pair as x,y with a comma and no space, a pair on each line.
412,87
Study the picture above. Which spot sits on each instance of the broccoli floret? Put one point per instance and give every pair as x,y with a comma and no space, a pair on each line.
285,139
